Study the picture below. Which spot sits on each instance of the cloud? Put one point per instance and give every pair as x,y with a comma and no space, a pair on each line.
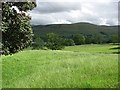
101,1
54,7
102,12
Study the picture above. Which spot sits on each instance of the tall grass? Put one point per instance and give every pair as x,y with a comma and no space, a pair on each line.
61,69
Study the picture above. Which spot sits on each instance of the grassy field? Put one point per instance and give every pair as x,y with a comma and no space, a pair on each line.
94,48
85,66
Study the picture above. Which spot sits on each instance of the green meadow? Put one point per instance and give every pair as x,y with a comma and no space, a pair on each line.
84,66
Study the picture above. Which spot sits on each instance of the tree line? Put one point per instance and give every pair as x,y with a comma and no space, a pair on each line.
56,42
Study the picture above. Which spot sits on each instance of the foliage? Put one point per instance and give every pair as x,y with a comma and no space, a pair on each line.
88,39
92,33
79,39
38,43
87,29
114,39
16,28
69,42
97,39
54,42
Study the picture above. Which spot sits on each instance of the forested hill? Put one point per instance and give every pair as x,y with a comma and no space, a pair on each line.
77,28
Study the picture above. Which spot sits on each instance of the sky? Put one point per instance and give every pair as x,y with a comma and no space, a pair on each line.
100,12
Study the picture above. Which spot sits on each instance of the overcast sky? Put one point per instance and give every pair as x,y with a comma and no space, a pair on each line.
101,12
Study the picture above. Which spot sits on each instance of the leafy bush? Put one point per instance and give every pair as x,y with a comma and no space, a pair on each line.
69,42
79,39
54,42
38,43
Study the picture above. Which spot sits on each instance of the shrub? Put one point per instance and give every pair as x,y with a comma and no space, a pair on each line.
79,39
69,42
54,42
38,43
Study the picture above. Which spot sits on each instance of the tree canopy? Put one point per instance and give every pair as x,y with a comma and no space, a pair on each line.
79,39
16,29
54,42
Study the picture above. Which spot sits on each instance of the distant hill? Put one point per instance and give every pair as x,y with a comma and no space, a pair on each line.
77,28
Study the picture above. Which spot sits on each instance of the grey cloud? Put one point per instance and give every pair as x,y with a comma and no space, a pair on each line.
54,7
112,22
73,12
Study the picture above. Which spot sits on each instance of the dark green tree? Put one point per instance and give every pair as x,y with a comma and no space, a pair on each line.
16,28
114,38
97,39
79,39
54,42
88,39
69,42
38,43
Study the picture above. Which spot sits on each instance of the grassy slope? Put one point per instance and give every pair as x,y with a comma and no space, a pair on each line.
106,48
42,68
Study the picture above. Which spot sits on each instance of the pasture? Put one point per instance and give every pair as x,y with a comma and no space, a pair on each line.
84,66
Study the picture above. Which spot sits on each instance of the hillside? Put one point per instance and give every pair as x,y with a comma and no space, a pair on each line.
71,29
